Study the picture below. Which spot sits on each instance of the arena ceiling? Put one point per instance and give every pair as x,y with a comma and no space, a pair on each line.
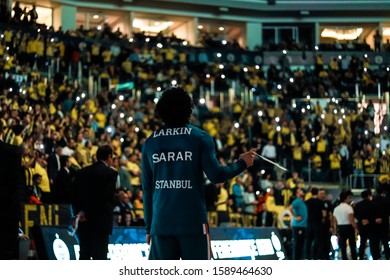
247,9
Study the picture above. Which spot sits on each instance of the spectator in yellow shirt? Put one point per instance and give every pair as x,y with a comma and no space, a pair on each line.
335,165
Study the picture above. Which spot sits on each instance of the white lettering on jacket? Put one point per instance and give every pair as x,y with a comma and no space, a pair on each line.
172,131
173,184
172,156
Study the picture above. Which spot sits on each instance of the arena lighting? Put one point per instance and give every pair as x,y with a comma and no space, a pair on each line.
342,34
386,31
145,25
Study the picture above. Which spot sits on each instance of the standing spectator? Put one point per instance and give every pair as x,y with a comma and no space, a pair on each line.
94,198
11,175
174,159
250,201
344,223
269,152
358,171
381,225
62,192
335,165
377,41
221,204
260,209
139,207
17,13
270,208
364,213
238,194
124,175
369,169
33,15
316,217
299,215
326,225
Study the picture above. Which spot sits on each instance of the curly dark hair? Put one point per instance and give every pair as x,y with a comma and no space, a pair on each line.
175,107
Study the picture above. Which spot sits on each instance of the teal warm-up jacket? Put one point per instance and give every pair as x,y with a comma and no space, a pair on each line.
173,162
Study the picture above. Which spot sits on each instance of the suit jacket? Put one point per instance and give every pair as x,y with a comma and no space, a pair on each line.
62,188
11,182
94,190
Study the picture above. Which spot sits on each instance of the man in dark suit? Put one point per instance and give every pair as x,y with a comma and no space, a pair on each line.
10,184
94,190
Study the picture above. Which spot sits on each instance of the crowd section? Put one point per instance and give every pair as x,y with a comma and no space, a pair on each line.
59,126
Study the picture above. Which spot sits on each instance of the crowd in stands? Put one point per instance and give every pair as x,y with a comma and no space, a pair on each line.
59,126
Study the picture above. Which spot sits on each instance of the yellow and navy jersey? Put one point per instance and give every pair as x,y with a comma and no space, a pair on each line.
358,163
369,165
174,160
384,165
